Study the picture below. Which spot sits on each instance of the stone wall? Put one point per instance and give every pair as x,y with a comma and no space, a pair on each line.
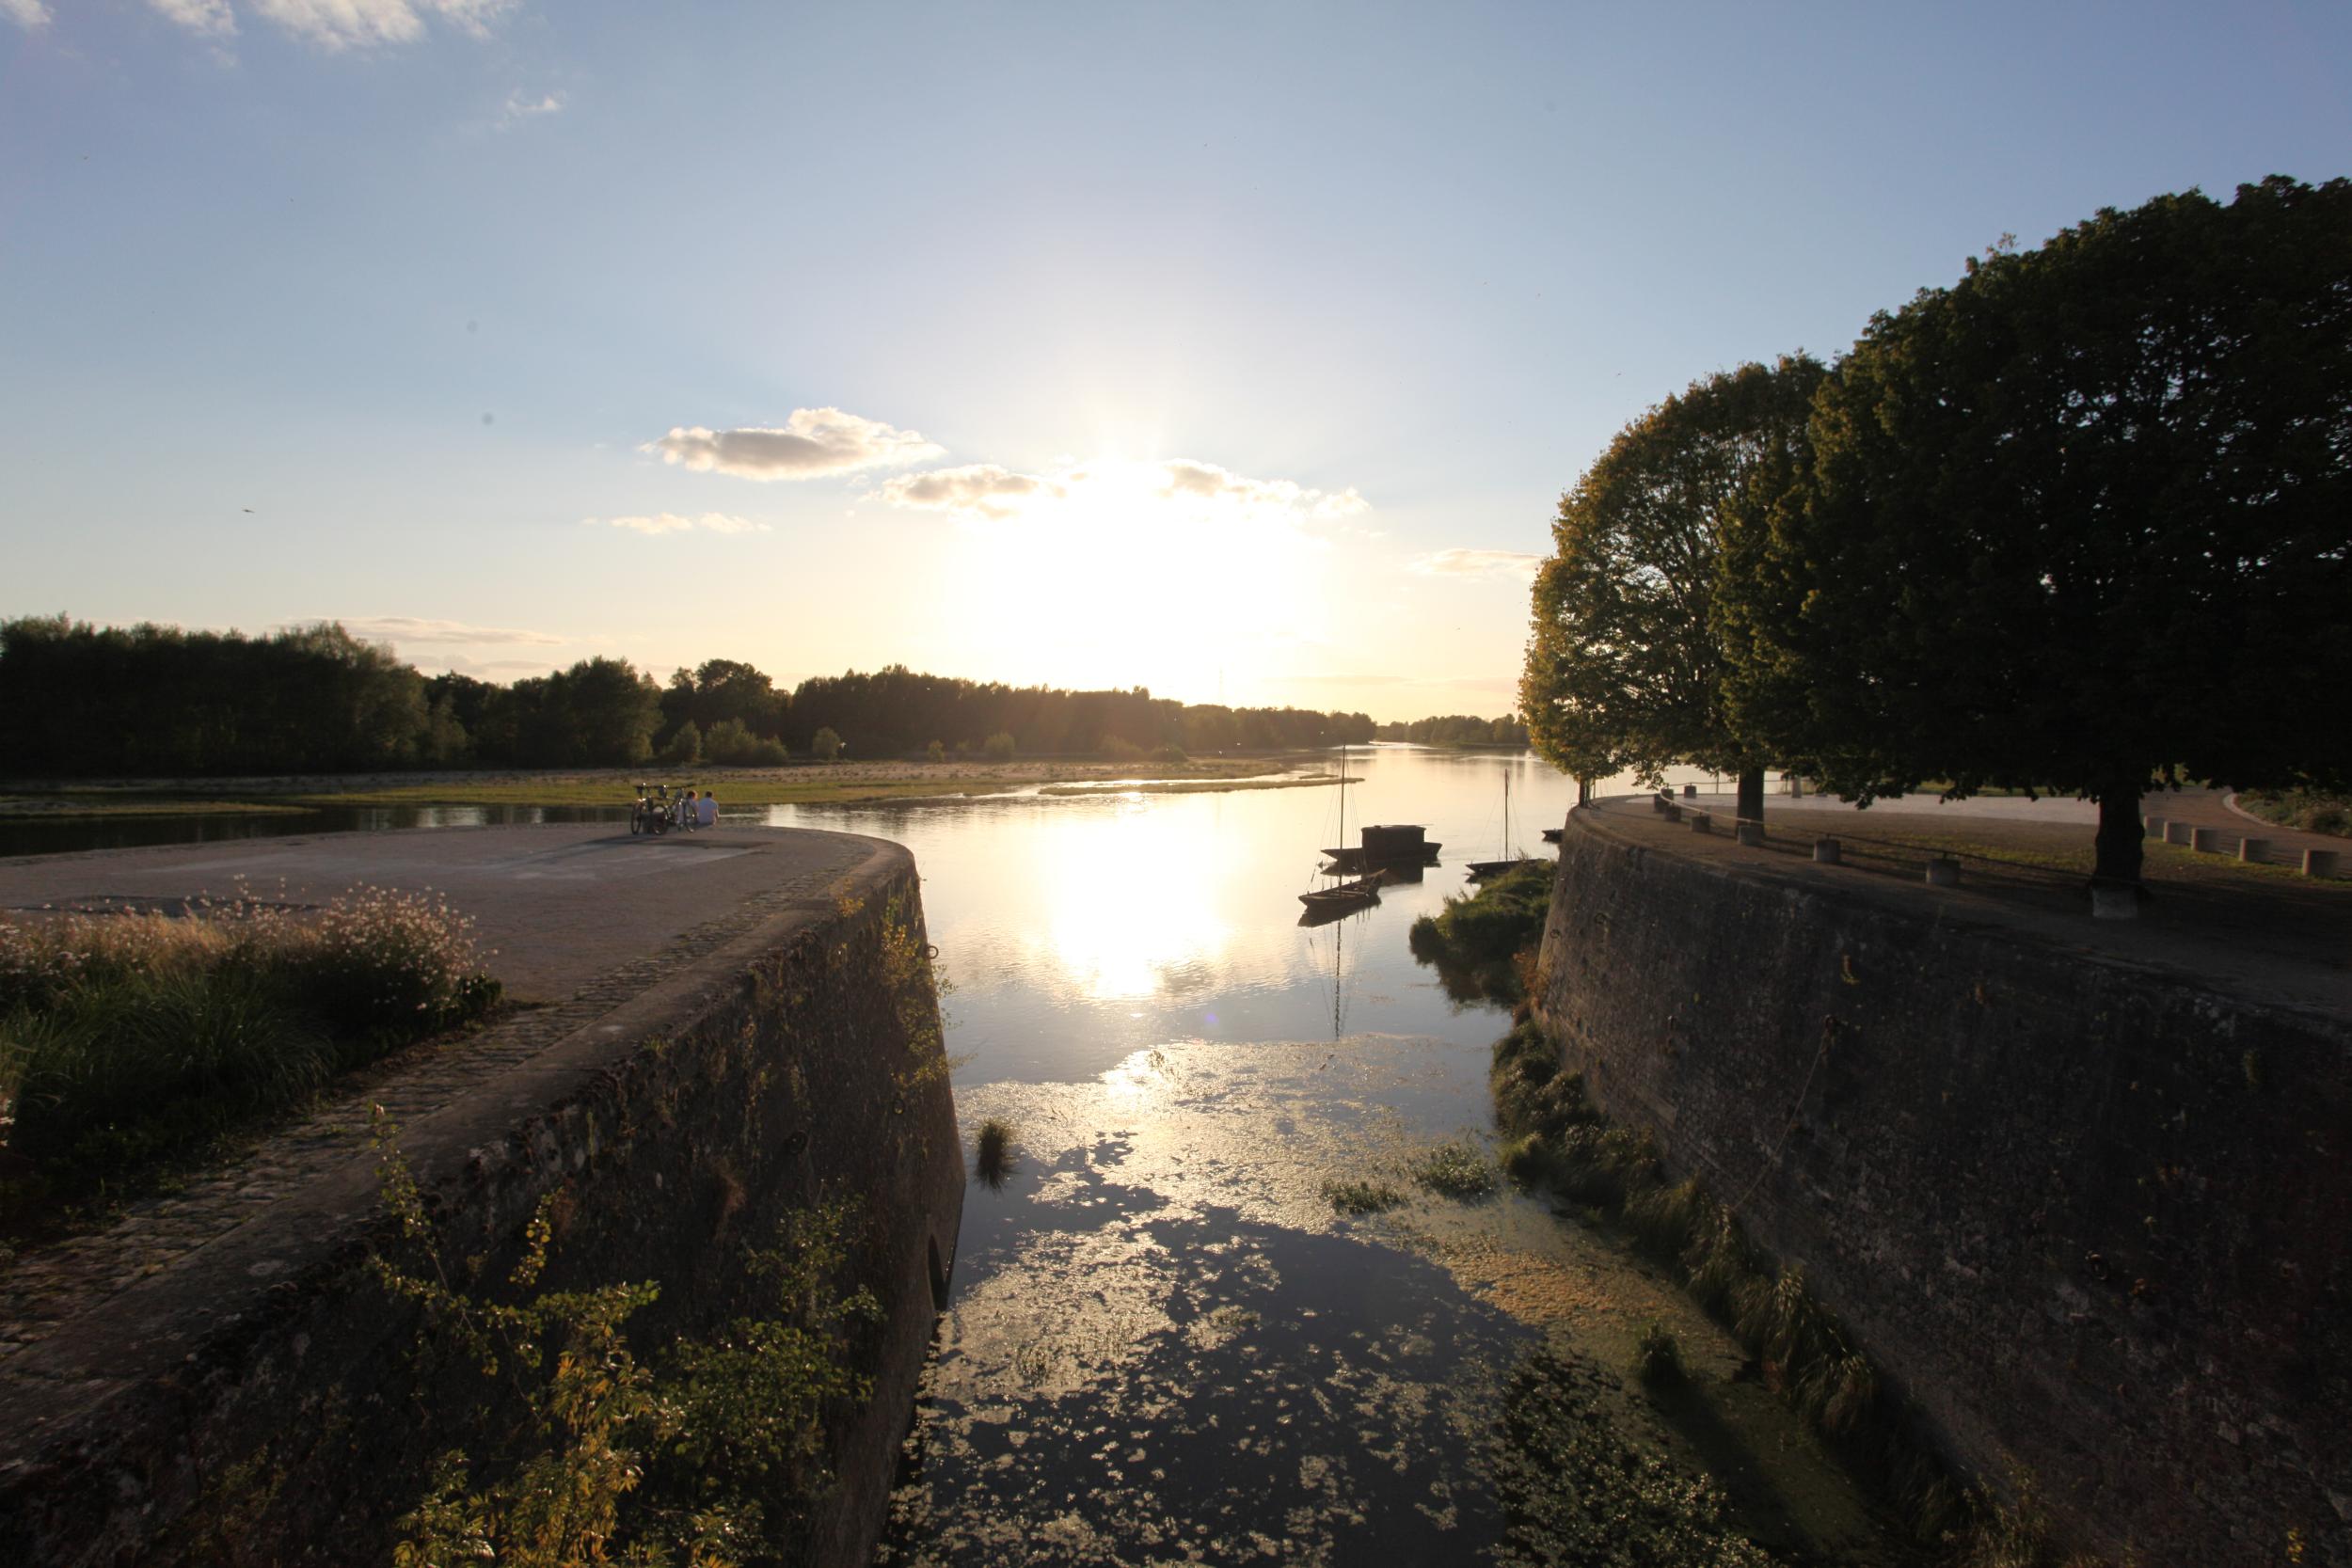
2092,1216
783,1057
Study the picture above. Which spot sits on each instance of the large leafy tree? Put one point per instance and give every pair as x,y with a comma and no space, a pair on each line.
1625,662
2079,521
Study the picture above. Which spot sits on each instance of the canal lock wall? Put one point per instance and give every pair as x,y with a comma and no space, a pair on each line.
2095,1217
264,1400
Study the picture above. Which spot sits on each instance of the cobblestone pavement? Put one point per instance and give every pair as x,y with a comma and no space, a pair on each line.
57,1285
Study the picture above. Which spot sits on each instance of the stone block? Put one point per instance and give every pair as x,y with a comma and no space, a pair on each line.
1826,850
2153,825
2114,903
2252,851
1751,834
2177,833
1690,792
1943,873
1674,812
2321,862
2205,841
1702,823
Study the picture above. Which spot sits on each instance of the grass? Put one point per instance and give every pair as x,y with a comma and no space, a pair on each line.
1362,1197
1476,941
131,1041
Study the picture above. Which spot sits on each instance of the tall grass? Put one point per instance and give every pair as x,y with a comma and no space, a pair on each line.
1475,941
130,1039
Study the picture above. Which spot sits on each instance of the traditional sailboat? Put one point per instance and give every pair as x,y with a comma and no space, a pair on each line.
1481,870
1342,897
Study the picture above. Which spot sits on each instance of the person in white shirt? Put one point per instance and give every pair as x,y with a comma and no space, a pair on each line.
706,810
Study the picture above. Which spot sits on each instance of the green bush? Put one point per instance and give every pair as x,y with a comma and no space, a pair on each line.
1120,749
685,747
1455,1170
825,745
1170,752
730,743
998,747
936,753
1361,1198
1657,1356
1476,942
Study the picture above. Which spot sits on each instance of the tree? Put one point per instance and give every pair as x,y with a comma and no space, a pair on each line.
2077,521
1625,662
685,746
825,746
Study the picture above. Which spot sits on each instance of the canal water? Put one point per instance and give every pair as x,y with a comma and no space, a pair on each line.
1163,1342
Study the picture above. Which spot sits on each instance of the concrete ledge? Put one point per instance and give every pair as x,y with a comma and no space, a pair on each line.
762,1061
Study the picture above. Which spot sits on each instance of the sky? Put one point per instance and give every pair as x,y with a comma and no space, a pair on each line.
1237,351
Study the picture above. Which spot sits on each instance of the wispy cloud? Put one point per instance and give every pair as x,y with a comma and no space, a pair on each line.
345,23
670,522
31,15
410,630
1120,493
814,442
204,18
1478,564
980,490
520,109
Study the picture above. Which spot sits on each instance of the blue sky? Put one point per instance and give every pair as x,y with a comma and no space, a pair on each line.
1241,348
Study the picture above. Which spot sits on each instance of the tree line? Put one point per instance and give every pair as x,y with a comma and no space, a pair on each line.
2080,522
82,701
1458,729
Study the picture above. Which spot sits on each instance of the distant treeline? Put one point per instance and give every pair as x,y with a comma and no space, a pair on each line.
1458,729
87,702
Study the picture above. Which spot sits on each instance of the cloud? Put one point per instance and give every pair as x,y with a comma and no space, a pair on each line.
31,15
1479,564
812,443
1211,483
670,522
981,489
348,24
204,18
519,108
410,630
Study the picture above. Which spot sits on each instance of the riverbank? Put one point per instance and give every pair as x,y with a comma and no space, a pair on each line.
794,783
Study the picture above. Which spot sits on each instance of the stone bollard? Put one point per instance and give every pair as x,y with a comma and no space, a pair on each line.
1674,812
1825,851
1702,823
1944,873
2320,862
2112,902
1751,834
1796,787
2177,833
2252,851
1690,792
2155,825
2205,841
1657,803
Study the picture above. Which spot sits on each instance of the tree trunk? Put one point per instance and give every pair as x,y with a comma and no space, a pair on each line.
1751,807
1583,792
2120,833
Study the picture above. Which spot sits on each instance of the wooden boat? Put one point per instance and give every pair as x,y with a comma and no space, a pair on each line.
1552,835
1352,895
1481,870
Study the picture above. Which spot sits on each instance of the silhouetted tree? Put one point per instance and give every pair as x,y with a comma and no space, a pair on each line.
2076,520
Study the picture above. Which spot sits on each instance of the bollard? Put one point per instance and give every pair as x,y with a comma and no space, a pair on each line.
1751,834
1825,851
1796,787
2205,841
2177,833
1657,803
1674,812
2112,902
2252,851
2155,825
2320,862
1944,873
1702,823
1690,792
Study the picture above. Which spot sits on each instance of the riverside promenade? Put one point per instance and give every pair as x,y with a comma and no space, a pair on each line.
2260,931
711,1035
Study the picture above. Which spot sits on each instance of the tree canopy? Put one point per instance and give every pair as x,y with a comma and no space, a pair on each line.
1625,663
2074,521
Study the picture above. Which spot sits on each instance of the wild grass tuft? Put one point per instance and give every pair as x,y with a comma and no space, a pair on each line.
1475,941
1361,1198
993,1157
1455,1170
126,1039
1657,1356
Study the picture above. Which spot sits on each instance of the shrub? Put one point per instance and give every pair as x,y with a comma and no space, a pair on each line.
1170,752
825,745
1656,1358
936,753
1120,749
992,1151
731,744
1475,941
998,747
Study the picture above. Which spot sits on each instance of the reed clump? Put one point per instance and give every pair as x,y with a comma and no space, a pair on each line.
992,1156
134,1038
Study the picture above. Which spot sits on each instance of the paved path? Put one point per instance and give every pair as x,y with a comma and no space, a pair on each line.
2262,934
559,905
